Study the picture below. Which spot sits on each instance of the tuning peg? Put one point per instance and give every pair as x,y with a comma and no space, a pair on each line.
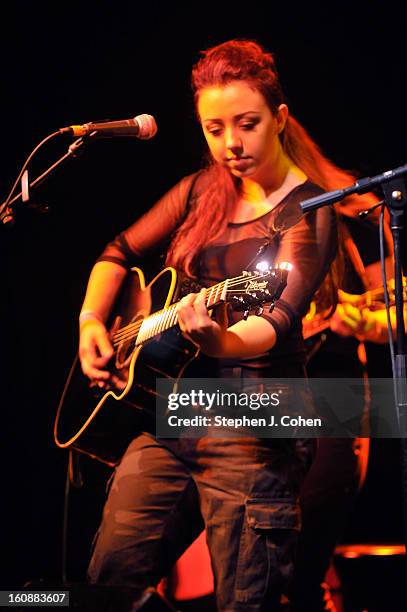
285,265
263,266
259,311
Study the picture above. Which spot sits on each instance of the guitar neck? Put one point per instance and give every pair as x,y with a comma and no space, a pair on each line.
164,319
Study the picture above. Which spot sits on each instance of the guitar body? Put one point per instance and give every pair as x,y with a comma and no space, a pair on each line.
123,412
147,345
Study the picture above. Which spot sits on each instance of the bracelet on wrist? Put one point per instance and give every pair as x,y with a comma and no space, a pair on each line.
87,315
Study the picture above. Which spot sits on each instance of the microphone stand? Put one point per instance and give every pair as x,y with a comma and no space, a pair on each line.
6,208
394,186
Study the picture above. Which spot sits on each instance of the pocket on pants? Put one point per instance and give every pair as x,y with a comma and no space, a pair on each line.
264,514
266,552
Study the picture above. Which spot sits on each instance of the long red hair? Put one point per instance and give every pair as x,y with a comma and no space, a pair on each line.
246,60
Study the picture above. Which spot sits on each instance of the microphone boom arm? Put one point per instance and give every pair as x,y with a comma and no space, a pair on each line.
6,208
363,185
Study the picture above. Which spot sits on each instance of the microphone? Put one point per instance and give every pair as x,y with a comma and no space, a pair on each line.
142,126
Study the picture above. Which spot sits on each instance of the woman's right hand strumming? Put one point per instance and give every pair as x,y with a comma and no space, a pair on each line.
95,346
95,350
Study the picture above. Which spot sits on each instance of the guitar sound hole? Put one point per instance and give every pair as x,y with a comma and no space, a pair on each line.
124,354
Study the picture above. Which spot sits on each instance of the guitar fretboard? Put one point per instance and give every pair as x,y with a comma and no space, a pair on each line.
166,318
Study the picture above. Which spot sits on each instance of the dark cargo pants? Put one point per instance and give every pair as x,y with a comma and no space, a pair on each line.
247,492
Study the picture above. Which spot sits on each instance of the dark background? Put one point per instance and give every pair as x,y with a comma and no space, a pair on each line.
343,67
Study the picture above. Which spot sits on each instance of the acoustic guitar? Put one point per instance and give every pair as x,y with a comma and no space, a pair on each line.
147,345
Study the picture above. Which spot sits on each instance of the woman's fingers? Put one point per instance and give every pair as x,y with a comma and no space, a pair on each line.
192,312
95,351
194,320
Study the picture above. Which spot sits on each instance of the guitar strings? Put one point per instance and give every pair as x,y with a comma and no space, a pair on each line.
131,330
128,330
136,325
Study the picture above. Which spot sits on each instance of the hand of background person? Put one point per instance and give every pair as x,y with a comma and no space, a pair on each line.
363,324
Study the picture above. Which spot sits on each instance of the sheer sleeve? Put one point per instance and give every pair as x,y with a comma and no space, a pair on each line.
153,229
310,245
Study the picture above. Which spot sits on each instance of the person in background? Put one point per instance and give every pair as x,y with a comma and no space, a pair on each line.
341,350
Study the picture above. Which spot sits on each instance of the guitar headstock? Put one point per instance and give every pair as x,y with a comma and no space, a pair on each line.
252,289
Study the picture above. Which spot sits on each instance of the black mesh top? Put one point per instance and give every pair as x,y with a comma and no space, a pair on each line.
308,242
